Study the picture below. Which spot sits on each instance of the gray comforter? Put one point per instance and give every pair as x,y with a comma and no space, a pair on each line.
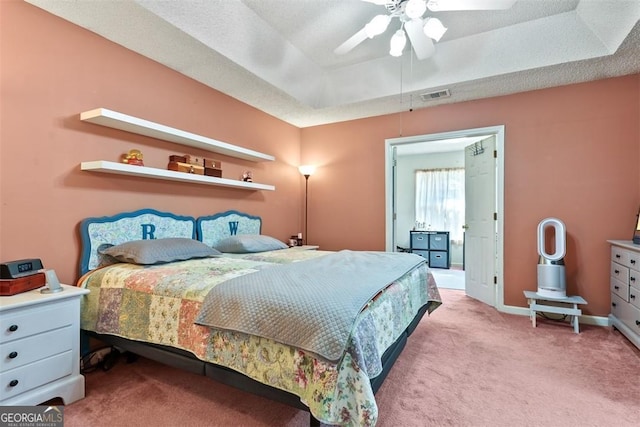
310,305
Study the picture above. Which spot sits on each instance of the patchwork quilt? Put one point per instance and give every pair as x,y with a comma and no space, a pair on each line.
159,304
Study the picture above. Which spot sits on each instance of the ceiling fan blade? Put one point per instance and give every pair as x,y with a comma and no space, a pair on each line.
458,5
351,42
422,45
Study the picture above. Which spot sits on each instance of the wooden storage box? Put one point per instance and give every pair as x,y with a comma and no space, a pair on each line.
194,160
178,158
186,167
213,164
187,158
213,172
21,284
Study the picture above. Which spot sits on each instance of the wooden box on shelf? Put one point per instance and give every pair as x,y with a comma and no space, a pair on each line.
213,172
195,160
213,164
186,167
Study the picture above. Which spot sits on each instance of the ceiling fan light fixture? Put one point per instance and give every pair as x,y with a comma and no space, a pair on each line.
414,9
377,25
434,29
433,5
398,42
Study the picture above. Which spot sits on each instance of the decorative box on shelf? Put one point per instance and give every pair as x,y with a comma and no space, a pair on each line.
186,168
21,284
196,165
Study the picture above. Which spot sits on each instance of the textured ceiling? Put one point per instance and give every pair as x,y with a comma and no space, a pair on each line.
277,55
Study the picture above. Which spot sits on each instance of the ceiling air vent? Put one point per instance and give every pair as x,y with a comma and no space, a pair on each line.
435,95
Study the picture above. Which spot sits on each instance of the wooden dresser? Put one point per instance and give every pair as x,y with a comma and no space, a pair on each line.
625,289
40,347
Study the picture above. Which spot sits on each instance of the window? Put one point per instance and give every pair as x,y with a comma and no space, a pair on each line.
440,201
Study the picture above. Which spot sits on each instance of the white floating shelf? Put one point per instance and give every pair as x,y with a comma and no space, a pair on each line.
147,172
113,119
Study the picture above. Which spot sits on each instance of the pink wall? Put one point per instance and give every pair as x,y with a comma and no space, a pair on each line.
570,152
51,71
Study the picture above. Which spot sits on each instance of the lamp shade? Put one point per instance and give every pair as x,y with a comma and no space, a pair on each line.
398,42
414,9
307,170
434,29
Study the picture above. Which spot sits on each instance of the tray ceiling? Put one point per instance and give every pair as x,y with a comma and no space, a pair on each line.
277,55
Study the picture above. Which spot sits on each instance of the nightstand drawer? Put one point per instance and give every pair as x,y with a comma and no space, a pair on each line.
620,272
619,288
617,306
33,375
23,323
634,296
620,255
35,347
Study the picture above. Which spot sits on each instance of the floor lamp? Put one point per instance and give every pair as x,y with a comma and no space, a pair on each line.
306,171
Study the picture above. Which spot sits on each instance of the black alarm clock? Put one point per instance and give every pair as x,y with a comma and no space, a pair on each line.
20,268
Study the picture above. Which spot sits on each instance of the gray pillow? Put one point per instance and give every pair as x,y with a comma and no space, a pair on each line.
249,243
158,251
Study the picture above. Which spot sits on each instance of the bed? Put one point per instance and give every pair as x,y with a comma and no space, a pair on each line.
170,305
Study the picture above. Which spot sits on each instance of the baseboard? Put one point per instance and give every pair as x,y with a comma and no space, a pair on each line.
584,319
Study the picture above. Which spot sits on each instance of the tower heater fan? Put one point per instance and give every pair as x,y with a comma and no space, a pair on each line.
551,272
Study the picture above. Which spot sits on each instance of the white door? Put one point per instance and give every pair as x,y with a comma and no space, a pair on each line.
394,196
480,233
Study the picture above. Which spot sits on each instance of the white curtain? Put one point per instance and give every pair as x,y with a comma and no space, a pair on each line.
440,201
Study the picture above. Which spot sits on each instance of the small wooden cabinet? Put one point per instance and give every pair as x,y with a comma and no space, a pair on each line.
434,246
625,289
40,347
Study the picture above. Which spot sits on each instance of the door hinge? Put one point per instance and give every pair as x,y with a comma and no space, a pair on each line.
495,154
495,280
495,216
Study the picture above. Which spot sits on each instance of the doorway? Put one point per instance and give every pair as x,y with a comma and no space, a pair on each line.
442,142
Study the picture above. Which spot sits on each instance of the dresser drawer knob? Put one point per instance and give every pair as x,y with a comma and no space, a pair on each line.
13,383
633,279
613,304
617,255
616,271
616,287
633,261
13,328
632,296
637,322
13,355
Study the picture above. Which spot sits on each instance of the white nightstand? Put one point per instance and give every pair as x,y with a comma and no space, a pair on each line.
306,247
40,352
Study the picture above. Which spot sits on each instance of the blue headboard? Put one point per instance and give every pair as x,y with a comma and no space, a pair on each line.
212,229
124,227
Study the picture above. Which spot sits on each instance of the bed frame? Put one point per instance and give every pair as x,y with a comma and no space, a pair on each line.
148,224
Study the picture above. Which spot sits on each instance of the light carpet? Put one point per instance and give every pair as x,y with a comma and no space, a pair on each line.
465,365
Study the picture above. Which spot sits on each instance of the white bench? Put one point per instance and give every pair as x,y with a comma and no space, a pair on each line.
566,305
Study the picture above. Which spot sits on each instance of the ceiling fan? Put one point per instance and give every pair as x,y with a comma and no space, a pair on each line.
422,31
